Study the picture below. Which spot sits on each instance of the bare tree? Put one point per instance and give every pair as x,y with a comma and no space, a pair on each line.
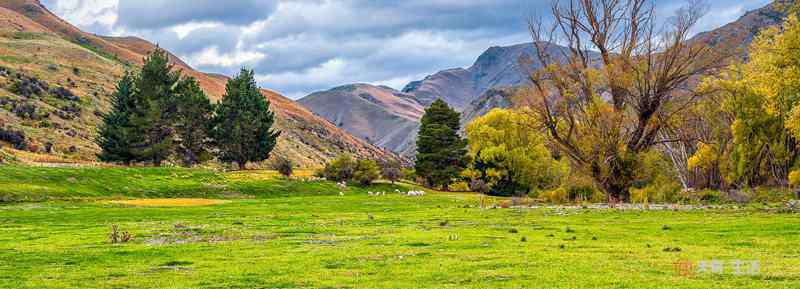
606,97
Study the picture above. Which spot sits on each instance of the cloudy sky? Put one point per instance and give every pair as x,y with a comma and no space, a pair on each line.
300,46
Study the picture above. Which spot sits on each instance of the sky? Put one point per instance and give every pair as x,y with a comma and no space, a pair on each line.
297,47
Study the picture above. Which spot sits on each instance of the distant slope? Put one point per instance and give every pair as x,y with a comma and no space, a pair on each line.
378,114
35,42
735,37
497,67
491,99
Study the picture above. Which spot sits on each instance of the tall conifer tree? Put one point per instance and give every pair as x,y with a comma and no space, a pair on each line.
193,122
243,123
156,107
441,152
116,134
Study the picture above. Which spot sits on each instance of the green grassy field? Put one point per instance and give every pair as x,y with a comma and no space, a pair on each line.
275,233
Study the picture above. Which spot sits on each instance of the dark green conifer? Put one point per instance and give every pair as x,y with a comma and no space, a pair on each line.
243,123
441,152
116,134
155,108
193,123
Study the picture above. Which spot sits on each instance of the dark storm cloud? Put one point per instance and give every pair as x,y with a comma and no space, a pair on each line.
152,14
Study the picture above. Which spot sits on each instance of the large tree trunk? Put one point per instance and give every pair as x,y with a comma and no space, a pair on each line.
242,165
616,194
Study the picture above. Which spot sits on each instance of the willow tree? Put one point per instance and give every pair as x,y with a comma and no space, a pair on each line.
621,77
509,157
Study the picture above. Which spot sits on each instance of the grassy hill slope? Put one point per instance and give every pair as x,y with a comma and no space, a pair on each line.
36,46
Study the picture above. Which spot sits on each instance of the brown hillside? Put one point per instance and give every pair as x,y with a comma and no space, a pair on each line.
36,43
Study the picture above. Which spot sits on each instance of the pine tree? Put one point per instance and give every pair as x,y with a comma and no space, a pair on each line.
155,109
193,123
116,133
243,123
441,152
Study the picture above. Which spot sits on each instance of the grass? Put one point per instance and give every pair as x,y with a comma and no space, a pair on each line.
25,184
277,233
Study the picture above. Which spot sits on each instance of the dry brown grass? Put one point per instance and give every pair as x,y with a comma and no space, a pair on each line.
170,202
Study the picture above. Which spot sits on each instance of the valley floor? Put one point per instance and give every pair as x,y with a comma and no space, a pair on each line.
313,237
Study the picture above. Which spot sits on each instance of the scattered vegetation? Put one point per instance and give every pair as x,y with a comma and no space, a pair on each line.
115,237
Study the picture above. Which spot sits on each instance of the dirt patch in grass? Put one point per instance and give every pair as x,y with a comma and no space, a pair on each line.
170,202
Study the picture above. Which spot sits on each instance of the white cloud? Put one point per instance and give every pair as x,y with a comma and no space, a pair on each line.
184,29
211,56
87,13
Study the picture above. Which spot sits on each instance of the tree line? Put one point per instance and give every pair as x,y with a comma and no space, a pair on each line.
158,114
632,110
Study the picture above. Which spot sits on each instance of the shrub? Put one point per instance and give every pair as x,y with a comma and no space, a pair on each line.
366,172
340,169
29,110
29,86
557,196
696,197
409,174
14,137
65,94
459,187
391,171
283,166
479,186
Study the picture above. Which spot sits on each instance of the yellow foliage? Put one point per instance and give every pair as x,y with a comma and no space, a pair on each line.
459,187
794,178
704,158
511,142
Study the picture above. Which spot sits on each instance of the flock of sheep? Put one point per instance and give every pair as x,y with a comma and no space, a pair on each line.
409,193
343,185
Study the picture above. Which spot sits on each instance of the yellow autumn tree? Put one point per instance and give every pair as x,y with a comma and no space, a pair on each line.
510,155
763,95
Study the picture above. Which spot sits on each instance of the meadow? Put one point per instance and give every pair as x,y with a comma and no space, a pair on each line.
272,232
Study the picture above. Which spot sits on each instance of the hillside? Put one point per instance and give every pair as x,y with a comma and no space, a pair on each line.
378,114
37,47
736,36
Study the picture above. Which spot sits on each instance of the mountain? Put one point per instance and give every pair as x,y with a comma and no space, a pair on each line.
381,115
497,67
501,97
390,119
68,76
